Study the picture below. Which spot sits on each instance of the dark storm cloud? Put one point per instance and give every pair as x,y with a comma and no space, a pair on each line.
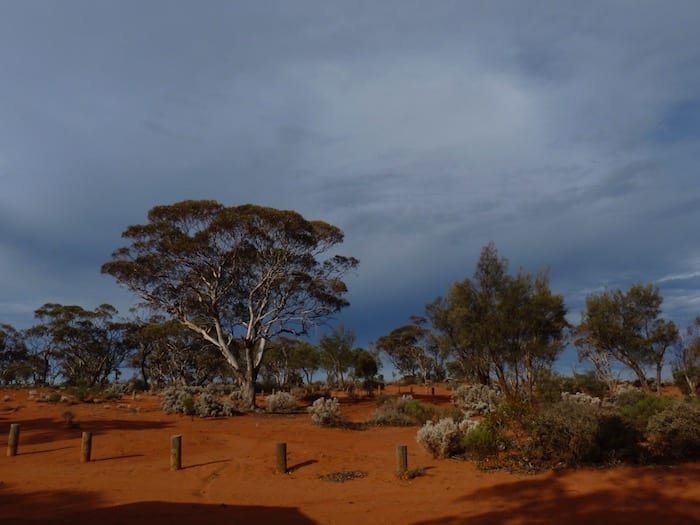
566,133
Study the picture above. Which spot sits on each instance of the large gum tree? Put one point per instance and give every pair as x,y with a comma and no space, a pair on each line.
236,276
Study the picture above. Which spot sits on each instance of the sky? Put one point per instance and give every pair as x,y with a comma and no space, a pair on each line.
566,132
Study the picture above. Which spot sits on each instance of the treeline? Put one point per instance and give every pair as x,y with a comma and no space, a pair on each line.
495,328
508,330
89,348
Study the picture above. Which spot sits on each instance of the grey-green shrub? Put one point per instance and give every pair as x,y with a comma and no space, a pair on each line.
208,404
442,439
281,402
401,411
563,434
324,412
476,399
674,432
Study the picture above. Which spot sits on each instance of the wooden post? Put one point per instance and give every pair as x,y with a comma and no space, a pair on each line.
86,447
432,390
281,458
401,459
13,440
176,452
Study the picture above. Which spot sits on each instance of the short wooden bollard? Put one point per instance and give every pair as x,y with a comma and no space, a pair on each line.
86,447
176,452
13,440
281,458
401,459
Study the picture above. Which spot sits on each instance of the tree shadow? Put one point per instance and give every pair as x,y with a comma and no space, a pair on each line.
46,430
551,501
83,508
207,463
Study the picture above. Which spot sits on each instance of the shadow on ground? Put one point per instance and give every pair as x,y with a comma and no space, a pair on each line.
552,501
82,508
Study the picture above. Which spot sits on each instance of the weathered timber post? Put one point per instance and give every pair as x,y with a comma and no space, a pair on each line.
176,452
86,447
13,440
281,458
432,390
401,459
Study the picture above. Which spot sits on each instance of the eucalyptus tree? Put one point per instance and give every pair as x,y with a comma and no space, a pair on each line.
627,327
686,366
235,276
505,328
89,345
336,354
15,362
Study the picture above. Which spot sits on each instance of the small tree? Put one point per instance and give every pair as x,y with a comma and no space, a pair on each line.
235,276
627,327
336,353
686,366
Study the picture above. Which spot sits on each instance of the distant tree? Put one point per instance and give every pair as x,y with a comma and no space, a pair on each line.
686,365
307,360
504,328
168,353
15,363
413,350
336,354
89,344
365,368
236,276
627,328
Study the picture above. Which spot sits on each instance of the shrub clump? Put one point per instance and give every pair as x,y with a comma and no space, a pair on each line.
674,432
281,402
195,401
563,434
476,399
401,411
442,439
482,441
324,412
638,408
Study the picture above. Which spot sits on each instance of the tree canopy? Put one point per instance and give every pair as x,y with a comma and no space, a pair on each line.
236,276
626,327
505,328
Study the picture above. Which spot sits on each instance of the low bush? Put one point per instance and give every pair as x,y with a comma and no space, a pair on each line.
208,404
563,434
476,399
178,400
442,439
638,409
195,401
482,441
401,411
674,432
324,412
281,402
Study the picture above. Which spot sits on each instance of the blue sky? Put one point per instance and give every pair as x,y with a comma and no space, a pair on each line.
568,133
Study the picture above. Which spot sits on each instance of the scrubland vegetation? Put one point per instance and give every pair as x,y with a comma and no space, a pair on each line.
231,293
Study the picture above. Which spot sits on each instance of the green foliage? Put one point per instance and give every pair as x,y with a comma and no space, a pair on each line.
563,434
483,441
503,327
627,328
638,408
53,397
401,411
674,432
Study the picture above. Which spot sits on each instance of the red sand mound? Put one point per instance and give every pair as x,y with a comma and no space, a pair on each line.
229,477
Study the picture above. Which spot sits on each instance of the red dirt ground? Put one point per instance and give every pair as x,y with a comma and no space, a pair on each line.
229,477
